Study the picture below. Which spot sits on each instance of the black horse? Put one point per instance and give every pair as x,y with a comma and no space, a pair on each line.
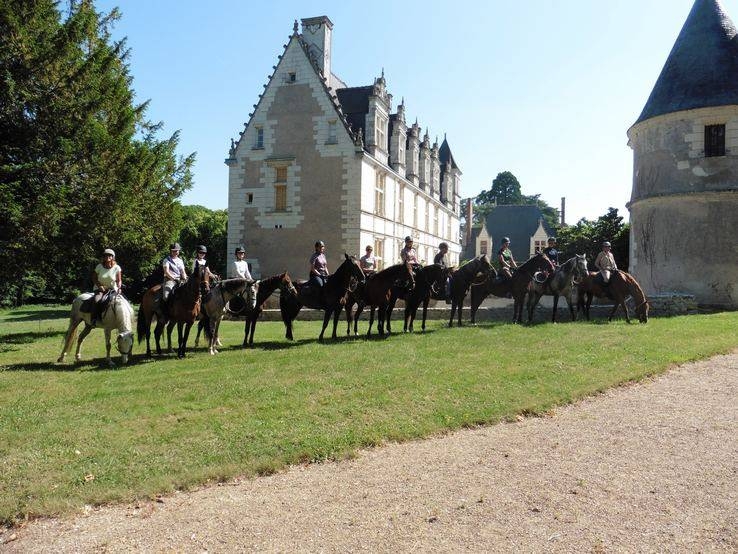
462,280
329,298
430,283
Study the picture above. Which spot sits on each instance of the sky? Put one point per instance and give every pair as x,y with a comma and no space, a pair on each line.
546,89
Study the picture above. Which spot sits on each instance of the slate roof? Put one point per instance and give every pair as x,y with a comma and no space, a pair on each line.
355,104
445,155
519,223
702,68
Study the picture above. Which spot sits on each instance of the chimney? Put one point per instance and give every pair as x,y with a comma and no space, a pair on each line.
563,211
316,32
469,215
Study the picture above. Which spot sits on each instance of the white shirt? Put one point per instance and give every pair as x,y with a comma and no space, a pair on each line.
108,277
240,268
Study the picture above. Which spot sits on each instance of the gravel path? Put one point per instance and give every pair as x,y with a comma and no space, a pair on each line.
648,467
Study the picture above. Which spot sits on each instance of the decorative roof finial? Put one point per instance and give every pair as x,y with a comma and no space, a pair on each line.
294,28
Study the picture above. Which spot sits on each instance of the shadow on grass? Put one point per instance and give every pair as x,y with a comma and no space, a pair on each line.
7,342
34,315
95,364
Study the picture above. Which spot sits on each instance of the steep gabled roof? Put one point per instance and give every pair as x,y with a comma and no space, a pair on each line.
445,155
519,223
354,102
702,68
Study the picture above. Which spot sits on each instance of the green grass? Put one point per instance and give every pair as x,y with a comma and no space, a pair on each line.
152,427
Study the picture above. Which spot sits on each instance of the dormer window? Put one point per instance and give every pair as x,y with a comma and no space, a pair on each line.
714,141
381,133
259,138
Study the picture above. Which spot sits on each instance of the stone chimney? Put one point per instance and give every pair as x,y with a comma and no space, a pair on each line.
469,215
316,32
563,211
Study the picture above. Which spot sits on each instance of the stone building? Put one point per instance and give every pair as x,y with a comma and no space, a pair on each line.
318,160
684,203
524,225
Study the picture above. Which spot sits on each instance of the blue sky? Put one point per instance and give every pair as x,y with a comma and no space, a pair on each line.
546,89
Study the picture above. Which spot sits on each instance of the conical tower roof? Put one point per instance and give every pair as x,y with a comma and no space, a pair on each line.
702,69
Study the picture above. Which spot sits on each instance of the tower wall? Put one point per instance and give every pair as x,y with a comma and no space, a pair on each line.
684,206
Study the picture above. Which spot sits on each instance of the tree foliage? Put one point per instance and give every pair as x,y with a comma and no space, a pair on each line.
506,190
81,168
586,237
201,225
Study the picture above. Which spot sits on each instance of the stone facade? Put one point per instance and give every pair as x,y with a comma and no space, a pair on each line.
320,161
684,202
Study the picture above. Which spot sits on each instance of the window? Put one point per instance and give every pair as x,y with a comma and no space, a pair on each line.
379,194
250,198
401,151
415,211
280,189
714,141
379,253
482,247
401,204
435,221
538,246
259,137
381,132
427,216
448,228
332,139
291,77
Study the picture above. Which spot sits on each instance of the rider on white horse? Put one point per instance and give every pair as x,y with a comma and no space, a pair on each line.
107,277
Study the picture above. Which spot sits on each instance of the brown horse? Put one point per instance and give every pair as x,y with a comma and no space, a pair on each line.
329,298
462,280
266,288
515,286
183,309
430,282
621,286
378,292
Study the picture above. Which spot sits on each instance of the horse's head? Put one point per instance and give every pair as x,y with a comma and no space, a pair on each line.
252,291
642,311
286,284
580,267
354,268
124,344
544,263
484,265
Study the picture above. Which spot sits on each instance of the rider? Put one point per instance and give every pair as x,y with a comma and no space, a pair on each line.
505,258
107,276
240,267
368,262
174,271
442,260
552,252
408,253
200,260
605,262
318,265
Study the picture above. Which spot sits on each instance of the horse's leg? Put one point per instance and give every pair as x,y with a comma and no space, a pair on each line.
336,316
158,330
107,348
80,340
475,301
453,311
199,329
615,307
183,341
180,324
460,307
69,337
326,319
425,312
371,320
588,304
359,311
556,307
533,299
349,307
571,307
214,340
408,323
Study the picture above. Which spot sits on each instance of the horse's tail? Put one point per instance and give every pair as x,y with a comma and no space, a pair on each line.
205,323
141,325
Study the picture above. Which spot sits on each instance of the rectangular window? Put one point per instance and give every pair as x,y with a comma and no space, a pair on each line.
379,195
280,174
714,141
291,77
538,246
381,133
482,247
259,137
401,204
332,138
379,253
448,228
250,198
435,221
427,216
280,198
415,211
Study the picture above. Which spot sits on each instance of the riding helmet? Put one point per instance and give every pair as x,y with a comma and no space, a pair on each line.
240,250
319,243
109,251
175,246
202,248
606,243
551,239
443,245
408,239
505,240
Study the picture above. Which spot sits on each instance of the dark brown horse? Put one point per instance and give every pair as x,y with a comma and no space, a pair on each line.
266,288
329,298
183,309
430,283
515,286
377,292
462,281
621,286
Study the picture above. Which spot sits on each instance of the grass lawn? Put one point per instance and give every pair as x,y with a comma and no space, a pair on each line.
81,434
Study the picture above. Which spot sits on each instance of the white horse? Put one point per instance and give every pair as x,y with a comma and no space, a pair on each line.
118,315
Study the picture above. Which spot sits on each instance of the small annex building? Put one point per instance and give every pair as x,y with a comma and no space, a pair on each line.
319,160
684,202
524,225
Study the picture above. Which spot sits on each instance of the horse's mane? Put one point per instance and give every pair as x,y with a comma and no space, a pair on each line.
391,271
531,261
230,285
268,286
470,269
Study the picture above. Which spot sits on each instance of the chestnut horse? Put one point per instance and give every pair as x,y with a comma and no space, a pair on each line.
517,285
378,292
561,283
462,281
184,307
621,286
430,282
329,298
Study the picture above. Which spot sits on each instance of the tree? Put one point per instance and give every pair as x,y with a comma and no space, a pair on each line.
209,228
81,168
586,237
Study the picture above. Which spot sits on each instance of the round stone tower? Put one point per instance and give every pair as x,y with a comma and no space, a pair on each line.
684,203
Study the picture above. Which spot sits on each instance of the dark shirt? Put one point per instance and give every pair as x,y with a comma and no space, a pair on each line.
440,259
552,254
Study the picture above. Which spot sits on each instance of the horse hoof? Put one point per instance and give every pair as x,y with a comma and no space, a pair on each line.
60,360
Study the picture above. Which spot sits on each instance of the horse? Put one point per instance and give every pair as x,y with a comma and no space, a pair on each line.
517,285
329,298
377,293
430,282
621,286
184,307
561,283
266,288
213,307
462,281
118,315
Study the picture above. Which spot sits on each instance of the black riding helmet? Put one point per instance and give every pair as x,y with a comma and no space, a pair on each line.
319,243
202,248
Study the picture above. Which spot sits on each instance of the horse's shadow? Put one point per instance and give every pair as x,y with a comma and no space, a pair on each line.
95,364
34,315
7,341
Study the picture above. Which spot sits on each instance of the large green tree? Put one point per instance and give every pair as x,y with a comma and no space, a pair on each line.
586,237
506,190
81,168
201,225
